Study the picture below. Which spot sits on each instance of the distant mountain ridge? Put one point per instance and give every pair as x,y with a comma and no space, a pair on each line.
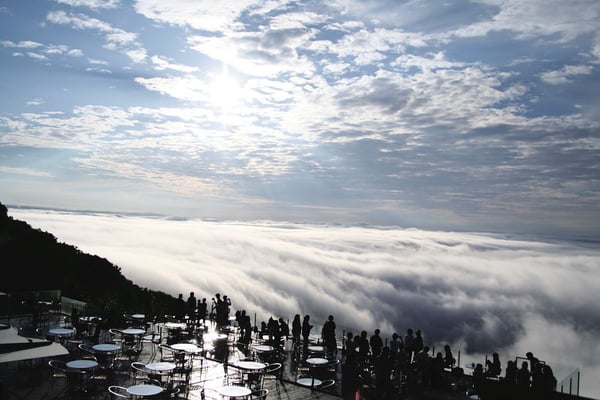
34,260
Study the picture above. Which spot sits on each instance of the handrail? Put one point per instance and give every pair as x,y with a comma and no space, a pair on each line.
570,382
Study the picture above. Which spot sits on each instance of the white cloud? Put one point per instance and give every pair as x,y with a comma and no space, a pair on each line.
36,56
538,18
116,39
479,292
26,44
35,102
198,14
188,88
562,76
163,63
96,4
25,171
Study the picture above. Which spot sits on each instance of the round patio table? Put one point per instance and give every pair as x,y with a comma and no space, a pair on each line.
144,390
234,391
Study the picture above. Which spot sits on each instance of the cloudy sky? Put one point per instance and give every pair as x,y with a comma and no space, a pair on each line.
466,115
478,292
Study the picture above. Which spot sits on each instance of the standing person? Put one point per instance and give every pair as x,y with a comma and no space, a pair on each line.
283,331
202,309
296,328
494,366
510,374
306,327
351,377
226,309
328,335
409,344
247,327
449,359
364,349
418,343
523,377
215,312
191,306
180,308
348,345
376,344
382,367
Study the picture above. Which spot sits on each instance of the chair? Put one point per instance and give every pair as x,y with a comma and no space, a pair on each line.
274,371
59,373
171,393
138,371
180,378
118,392
167,353
115,335
87,352
260,394
154,339
326,384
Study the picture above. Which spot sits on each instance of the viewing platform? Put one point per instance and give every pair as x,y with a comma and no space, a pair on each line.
170,359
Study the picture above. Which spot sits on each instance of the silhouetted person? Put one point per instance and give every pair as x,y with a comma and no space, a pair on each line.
351,377
449,359
306,328
376,344
523,376
191,306
363,348
284,328
478,376
273,328
424,363
226,307
382,367
533,360
418,343
409,344
180,308
216,309
493,366
437,370
296,328
202,309
348,345
536,376
328,335
510,375
245,328
548,383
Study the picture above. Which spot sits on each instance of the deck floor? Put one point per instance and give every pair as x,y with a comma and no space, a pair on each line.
32,379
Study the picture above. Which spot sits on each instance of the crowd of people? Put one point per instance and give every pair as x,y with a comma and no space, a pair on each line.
368,359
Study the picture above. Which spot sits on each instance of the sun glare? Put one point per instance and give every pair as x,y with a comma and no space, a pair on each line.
224,91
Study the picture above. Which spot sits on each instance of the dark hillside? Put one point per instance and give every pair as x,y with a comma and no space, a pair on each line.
34,260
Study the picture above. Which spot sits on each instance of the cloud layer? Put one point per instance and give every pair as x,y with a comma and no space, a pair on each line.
479,292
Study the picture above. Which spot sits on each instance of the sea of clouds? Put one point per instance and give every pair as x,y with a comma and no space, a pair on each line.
478,292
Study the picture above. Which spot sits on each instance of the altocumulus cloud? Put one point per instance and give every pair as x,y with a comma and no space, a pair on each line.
479,292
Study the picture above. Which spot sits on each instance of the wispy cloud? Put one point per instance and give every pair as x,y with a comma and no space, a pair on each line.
563,75
94,4
24,171
116,39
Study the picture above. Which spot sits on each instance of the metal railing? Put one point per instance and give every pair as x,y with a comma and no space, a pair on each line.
570,384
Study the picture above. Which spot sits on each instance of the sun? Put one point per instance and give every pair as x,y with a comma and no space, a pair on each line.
224,91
